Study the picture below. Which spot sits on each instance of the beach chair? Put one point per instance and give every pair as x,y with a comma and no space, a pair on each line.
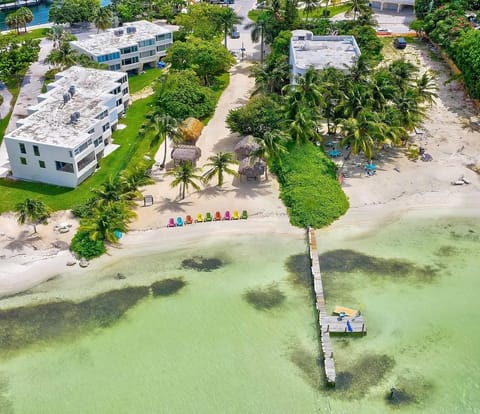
235,215
188,220
217,216
171,222
208,216
227,215
179,222
244,215
199,218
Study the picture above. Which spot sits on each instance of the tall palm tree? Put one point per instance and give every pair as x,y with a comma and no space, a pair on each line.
13,21
403,73
219,165
105,222
257,32
165,126
271,147
103,18
357,7
310,5
25,16
56,34
185,176
33,211
227,19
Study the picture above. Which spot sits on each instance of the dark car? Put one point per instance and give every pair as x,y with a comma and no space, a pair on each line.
234,33
400,43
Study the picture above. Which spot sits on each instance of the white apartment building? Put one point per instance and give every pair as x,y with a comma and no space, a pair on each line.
319,52
128,48
66,133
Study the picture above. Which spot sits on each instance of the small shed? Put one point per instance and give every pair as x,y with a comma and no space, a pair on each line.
182,153
245,147
252,168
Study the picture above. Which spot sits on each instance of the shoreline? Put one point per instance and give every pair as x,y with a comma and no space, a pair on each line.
400,186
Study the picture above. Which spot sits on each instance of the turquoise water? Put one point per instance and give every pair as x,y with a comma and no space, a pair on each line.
206,349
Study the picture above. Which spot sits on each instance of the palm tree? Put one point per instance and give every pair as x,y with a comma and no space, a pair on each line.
25,16
185,176
271,147
402,73
103,18
310,5
62,57
56,34
219,165
165,126
130,181
13,21
357,7
111,192
426,89
227,19
34,211
363,132
105,222
258,33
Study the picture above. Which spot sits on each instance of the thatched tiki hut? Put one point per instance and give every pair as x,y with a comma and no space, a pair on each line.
252,168
245,147
191,129
182,153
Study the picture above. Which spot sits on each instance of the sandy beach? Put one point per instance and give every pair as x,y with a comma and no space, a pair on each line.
399,185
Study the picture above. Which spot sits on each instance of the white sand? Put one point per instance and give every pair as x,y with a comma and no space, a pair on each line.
400,185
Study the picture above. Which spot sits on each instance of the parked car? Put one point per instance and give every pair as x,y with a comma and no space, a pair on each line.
383,31
400,43
261,5
234,33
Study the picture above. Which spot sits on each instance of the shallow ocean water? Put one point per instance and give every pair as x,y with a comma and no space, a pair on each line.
240,336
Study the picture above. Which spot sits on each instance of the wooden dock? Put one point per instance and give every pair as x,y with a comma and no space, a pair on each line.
329,324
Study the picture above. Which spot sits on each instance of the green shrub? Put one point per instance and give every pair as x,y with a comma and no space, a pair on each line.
83,210
309,187
85,247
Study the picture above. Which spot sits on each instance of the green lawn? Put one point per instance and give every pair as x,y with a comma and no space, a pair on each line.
32,33
138,82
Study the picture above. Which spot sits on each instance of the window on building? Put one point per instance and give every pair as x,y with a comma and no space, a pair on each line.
124,79
107,57
36,150
97,142
23,160
102,115
85,161
64,166
129,61
147,53
161,48
115,67
129,49
125,91
41,164
148,42
119,102
70,153
106,126
22,148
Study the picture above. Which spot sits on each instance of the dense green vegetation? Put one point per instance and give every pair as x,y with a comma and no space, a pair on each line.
448,26
309,187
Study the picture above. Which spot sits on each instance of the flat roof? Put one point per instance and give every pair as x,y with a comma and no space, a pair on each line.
51,123
323,51
109,42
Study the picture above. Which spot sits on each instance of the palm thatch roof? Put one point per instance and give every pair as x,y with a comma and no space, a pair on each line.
252,168
245,147
183,153
191,129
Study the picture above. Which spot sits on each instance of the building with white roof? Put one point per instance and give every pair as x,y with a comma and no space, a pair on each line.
66,133
128,48
319,52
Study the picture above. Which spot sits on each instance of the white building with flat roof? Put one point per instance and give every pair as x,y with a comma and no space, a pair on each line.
66,133
128,48
319,52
